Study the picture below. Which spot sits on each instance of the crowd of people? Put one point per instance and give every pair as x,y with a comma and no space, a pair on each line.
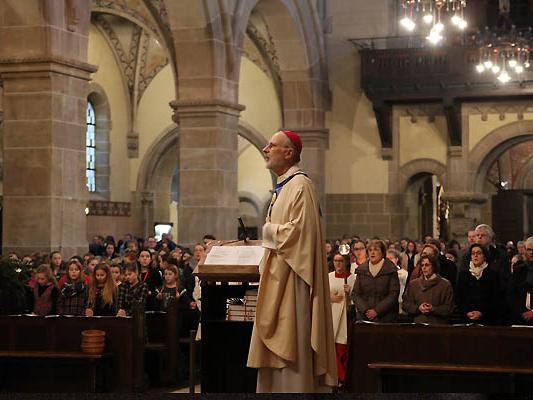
112,276
429,282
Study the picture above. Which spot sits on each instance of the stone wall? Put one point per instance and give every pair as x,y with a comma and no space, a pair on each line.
366,215
104,225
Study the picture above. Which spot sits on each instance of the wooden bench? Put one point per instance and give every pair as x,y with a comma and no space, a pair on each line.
42,354
414,358
162,331
166,331
382,367
93,362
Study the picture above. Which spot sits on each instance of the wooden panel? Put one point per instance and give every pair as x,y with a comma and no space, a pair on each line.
471,348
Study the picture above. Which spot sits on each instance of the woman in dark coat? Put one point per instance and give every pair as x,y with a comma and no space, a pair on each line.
477,292
377,287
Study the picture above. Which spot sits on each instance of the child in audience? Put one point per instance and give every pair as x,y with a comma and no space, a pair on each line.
56,264
131,291
73,294
45,291
102,293
116,273
150,277
91,265
173,288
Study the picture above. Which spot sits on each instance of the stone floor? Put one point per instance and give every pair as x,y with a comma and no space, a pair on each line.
197,389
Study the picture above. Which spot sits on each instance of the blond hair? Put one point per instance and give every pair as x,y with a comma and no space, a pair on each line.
109,290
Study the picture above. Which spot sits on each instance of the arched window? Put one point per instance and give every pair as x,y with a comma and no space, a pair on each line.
90,148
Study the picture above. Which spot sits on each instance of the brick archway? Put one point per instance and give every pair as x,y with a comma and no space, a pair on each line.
416,167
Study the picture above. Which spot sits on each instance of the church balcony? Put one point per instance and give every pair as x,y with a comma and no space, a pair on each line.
400,70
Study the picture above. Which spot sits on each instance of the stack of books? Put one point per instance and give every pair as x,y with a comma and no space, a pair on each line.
243,310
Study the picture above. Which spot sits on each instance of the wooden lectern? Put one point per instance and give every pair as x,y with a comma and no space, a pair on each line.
225,344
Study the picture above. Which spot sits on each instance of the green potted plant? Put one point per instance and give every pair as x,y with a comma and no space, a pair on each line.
14,291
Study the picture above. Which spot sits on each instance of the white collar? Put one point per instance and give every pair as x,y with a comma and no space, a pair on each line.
291,171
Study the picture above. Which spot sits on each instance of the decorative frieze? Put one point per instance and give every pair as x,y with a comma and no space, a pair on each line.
109,208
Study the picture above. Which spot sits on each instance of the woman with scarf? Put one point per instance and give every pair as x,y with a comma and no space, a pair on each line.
341,282
429,299
477,291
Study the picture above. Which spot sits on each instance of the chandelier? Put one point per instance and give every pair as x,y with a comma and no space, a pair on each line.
505,55
433,14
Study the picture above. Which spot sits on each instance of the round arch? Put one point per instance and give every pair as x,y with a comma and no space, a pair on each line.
307,30
420,166
492,146
158,150
168,140
300,52
525,178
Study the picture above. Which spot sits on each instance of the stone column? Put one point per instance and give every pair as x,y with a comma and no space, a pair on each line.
45,192
315,144
208,197
147,204
42,65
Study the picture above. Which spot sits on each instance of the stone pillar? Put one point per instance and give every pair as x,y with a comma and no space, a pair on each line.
42,65
208,197
45,192
147,204
315,142
465,213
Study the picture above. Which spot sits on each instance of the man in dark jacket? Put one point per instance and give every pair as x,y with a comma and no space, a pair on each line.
520,289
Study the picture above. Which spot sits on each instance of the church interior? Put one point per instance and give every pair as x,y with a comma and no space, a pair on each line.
121,117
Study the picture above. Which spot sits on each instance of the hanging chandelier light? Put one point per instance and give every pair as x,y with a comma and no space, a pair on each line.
433,14
506,55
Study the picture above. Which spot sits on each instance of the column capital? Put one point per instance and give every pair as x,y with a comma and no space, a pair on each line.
313,137
204,107
38,66
465,197
455,151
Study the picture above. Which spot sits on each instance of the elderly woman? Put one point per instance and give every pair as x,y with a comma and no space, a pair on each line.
429,299
376,289
341,282
477,292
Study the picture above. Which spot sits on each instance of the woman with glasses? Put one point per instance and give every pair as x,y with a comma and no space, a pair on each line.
376,289
478,291
358,256
429,298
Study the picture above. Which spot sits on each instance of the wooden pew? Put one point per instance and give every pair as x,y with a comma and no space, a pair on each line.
42,354
414,358
168,332
163,329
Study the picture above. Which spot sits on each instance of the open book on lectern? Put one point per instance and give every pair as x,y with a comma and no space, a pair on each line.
231,261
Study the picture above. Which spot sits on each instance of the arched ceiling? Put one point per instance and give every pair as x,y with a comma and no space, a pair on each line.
135,39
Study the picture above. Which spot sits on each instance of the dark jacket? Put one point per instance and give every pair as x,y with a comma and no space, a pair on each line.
520,283
153,280
437,292
481,295
72,299
448,270
379,293
102,309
